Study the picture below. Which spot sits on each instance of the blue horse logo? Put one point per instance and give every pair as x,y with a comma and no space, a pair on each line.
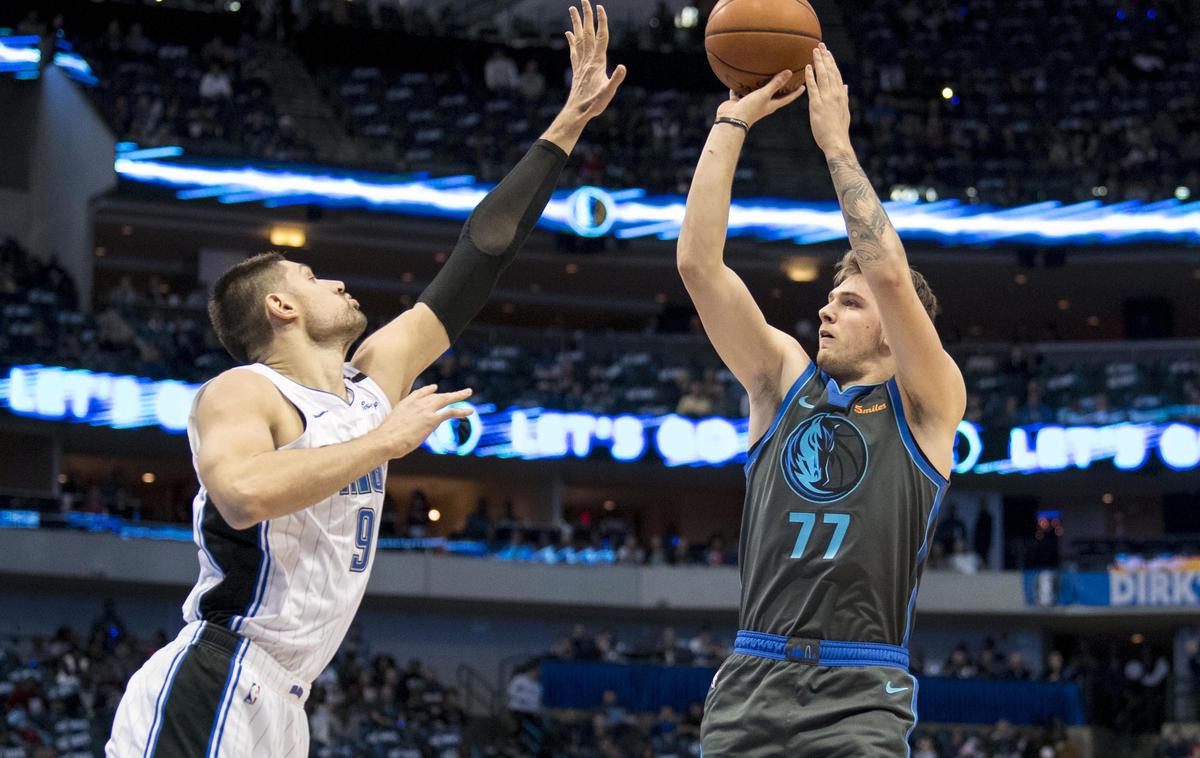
825,458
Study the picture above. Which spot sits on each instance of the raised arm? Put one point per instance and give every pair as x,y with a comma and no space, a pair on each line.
242,420
396,354
931,383
764,359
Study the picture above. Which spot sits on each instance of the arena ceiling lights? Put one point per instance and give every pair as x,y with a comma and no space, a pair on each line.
628,214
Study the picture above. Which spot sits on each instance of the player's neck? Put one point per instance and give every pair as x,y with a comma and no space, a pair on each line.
315,366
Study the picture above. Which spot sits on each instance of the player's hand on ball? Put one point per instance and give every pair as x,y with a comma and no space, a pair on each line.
762,102
592,89
828,103
415,417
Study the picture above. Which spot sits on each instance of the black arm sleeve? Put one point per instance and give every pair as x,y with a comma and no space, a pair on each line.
492,236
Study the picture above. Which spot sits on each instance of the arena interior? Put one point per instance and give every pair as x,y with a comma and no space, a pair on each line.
558,575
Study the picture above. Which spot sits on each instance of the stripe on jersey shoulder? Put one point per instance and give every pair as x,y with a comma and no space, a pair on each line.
756,448
934,476
910,444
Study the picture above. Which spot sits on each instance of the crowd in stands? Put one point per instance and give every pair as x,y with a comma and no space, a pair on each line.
670,648
1018,122
1175,744
1059,99
212,98
59,694
154,330
1001,741
480,122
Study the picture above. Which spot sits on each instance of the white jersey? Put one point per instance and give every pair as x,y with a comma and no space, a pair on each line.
293,584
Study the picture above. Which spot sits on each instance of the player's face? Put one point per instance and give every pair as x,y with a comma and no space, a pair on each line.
330,314
851,333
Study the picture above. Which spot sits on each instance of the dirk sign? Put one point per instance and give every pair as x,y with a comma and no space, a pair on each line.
1115,588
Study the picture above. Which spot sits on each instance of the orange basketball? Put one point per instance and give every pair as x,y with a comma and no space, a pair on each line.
749,41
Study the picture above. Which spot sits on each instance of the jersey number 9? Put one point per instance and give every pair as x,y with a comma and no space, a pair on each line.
364,534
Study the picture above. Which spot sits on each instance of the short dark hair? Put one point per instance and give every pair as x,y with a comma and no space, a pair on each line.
849,266
236,307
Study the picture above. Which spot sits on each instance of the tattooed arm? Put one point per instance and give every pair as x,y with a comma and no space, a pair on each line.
930,382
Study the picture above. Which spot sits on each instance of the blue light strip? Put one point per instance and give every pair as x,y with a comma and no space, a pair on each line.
21,56
594,212
120,402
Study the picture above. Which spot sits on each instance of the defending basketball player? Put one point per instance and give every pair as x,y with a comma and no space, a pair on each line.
291,451
849,460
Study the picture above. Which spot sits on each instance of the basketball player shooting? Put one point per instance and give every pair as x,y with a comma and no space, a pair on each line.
291,451
849,460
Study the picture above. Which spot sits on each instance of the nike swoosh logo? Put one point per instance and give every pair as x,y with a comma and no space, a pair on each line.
319,415
804,401
893,690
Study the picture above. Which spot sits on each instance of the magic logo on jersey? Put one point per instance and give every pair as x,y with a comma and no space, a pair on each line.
365,485
825,458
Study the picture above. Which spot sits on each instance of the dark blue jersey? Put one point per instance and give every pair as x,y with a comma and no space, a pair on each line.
839,514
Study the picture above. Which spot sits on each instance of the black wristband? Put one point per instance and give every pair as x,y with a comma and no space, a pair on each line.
731,120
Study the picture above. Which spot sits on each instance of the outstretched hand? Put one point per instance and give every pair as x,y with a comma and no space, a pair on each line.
592,89
762,102
828,103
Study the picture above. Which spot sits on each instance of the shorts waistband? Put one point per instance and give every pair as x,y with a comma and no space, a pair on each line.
820,652
266,670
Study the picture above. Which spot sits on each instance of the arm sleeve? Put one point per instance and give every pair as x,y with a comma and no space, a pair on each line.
493,234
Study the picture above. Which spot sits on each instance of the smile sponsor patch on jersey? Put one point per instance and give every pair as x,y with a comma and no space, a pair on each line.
876,408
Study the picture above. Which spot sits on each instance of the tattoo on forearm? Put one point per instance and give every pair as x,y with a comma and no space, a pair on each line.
866,222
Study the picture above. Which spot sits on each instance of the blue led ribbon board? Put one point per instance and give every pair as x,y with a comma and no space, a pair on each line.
632,213
120,402
21,58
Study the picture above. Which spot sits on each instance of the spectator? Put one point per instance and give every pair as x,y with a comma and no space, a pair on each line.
479,523
615,715
500,72
215,84
959,664
925,748
532,84
583,647
136,41
1173,744
1035,410
695,403
525,694
1016,667
418,514
657,555
715,554
950,530
631,551
983,535
963,561
1055,671
681,553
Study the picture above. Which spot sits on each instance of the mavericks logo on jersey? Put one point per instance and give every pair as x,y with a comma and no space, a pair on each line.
825,458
